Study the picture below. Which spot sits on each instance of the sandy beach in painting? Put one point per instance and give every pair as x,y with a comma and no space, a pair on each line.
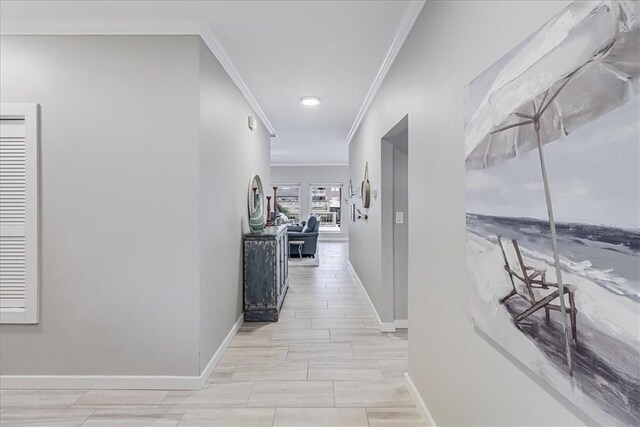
607,356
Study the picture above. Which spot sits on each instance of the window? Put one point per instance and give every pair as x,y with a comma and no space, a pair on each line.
289,202
19,213
326,202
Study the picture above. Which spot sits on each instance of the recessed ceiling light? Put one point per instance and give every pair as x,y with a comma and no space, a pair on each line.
310,100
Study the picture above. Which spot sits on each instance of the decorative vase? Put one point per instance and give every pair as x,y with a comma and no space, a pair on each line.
275,200
268,210
365,188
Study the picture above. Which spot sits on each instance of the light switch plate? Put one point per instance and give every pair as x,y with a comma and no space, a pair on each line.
399,217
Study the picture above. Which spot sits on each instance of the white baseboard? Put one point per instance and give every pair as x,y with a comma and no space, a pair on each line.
387,327
417,399
373,307
122,382
213,362
401,323
116,382
384,326
393,326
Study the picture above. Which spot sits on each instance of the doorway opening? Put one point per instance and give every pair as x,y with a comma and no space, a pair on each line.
395,234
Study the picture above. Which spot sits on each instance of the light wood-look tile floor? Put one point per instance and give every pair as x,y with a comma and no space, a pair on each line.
323,364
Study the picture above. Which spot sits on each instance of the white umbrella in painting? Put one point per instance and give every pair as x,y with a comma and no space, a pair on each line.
579,66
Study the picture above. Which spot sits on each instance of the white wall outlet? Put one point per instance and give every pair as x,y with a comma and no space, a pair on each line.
374,193
399,217
251,122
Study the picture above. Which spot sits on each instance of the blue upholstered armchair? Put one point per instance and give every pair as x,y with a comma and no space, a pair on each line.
308,234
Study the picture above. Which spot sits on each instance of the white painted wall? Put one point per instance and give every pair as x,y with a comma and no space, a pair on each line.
400,234
229,155
119,122
461,376
130,284
385,302
304,175
394,238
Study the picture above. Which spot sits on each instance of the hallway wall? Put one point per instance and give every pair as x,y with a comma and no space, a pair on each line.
119,153
140,224
461,376
229,155
400,234
393,304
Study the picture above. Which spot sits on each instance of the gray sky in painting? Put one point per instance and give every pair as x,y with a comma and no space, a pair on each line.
594,176
594,173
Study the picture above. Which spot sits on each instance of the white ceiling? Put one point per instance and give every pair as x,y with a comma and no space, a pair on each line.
282,51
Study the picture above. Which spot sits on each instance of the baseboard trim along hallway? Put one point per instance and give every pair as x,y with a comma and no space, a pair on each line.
417,399
401,323
121,382
384,327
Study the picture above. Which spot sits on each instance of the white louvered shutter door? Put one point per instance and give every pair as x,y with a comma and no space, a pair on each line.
18,213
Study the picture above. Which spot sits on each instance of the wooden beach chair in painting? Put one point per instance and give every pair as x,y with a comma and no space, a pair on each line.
529,272
536,279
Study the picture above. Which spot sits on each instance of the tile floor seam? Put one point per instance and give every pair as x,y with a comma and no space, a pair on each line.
333,385
180,419
88,416
78,399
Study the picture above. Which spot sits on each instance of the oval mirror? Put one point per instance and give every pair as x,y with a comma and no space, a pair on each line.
256,204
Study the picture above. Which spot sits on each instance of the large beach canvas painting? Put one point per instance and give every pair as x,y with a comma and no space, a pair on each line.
552,138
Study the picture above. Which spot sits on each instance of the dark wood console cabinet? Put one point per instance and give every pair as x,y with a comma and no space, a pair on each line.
266,273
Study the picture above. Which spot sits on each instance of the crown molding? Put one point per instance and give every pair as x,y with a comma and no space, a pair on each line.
186,27
409,18
216,48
